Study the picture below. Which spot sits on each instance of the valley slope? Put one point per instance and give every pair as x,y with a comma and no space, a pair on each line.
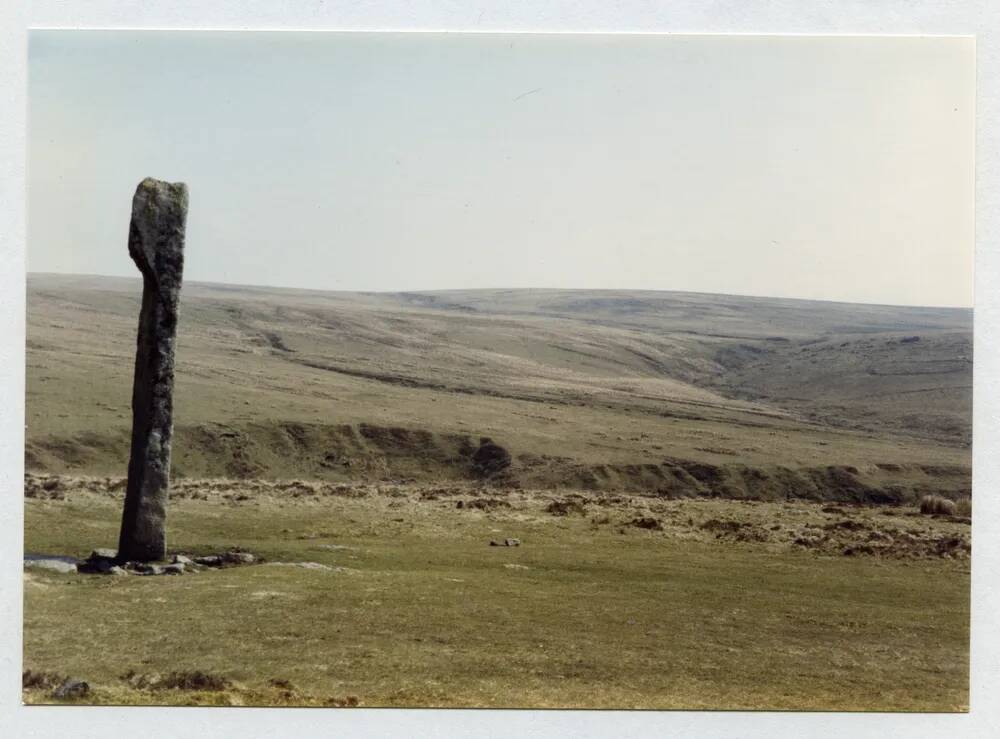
671,393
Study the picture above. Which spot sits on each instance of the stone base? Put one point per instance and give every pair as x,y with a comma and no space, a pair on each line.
106,562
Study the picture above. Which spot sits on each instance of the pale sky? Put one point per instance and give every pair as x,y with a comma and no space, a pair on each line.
805,167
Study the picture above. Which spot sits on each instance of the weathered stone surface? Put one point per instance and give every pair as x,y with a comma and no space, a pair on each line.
173,569
156,245
506,543
100,562
50,563
95,566
238,558
180,559
210,560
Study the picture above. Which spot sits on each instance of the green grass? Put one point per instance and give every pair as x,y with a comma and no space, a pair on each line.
428,615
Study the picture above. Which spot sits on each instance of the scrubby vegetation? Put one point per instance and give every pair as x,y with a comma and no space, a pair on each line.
935,504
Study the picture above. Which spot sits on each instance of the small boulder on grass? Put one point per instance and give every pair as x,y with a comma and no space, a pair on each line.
237,557
71,688
936,505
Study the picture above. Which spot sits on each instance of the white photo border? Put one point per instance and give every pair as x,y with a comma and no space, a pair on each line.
979,18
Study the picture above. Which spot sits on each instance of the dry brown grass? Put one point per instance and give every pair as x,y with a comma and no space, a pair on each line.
192,680
37,680
935,504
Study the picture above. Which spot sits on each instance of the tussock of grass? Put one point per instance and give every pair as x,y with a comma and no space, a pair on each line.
935,504
32,680
194,680
566,507
646,522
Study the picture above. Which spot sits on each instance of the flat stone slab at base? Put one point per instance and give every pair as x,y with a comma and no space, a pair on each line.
144,568
96,566
231,557
54,564
100,562
104,562
238,558
147,568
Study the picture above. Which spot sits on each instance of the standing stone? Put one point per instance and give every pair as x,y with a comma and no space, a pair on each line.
156,245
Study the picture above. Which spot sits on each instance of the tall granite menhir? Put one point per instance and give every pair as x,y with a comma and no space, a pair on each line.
156,245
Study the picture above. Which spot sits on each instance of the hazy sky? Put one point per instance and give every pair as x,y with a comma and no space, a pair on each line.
836,168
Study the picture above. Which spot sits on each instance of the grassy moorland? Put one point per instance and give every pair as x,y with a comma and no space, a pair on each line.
716,499
404,602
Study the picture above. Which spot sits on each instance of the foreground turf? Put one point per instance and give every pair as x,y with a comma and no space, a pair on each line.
418,610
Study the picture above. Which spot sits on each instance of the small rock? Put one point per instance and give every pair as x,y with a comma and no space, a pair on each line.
117,571
71,688
180,559
98,554
506,543
512,566
98,566
56,565
211,560
174,569
240,558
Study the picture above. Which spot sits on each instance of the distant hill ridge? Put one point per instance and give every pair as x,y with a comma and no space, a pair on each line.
599,380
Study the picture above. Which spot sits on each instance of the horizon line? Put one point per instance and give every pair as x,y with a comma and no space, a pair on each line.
509,289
